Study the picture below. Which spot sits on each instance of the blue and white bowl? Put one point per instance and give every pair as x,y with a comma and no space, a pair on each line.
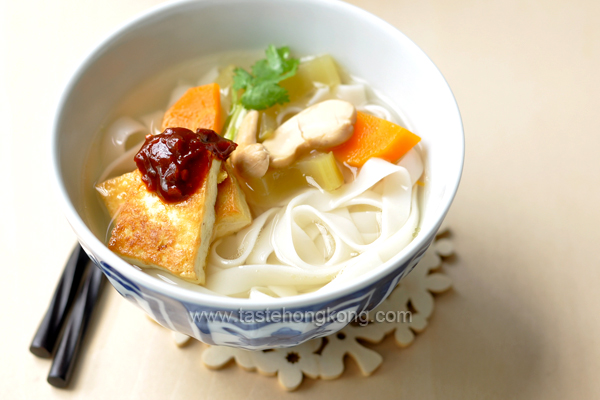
364,44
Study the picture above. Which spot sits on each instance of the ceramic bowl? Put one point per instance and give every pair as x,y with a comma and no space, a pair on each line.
365,45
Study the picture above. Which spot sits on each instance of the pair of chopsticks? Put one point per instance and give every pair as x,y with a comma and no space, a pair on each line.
73,303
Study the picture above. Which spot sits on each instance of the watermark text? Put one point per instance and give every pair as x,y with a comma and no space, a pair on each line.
319,318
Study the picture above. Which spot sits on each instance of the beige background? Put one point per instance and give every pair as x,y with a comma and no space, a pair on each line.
523,320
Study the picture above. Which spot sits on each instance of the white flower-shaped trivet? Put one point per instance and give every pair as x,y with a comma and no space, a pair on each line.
408,308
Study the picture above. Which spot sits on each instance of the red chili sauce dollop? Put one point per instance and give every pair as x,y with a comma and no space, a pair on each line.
175,163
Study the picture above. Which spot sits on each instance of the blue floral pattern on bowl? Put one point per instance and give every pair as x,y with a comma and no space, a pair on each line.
227,327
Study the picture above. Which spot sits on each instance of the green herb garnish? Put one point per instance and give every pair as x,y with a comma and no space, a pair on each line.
262,89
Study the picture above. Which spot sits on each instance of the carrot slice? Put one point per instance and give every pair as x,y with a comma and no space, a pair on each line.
375,137
199,107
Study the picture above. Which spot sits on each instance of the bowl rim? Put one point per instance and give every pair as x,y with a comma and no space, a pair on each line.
85,235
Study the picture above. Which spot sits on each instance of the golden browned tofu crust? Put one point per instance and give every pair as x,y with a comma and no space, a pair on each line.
232,211
151,233
113,191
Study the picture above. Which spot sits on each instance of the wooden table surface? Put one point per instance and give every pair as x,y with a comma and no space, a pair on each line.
523,319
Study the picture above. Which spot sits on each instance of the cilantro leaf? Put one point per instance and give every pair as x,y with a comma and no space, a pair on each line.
264,95
242,79
262,89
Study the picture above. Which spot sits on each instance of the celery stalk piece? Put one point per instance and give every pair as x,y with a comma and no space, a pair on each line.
234,120
267,124
323,168
320,69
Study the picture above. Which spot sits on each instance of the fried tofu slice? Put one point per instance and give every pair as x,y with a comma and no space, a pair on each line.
231,208
151,233
233,213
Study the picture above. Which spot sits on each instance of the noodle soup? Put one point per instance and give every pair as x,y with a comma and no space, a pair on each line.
317,222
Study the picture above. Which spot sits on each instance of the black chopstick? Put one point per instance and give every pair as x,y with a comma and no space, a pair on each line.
44,341
70,343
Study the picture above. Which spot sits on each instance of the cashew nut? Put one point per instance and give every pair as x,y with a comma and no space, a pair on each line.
251,159
324,125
